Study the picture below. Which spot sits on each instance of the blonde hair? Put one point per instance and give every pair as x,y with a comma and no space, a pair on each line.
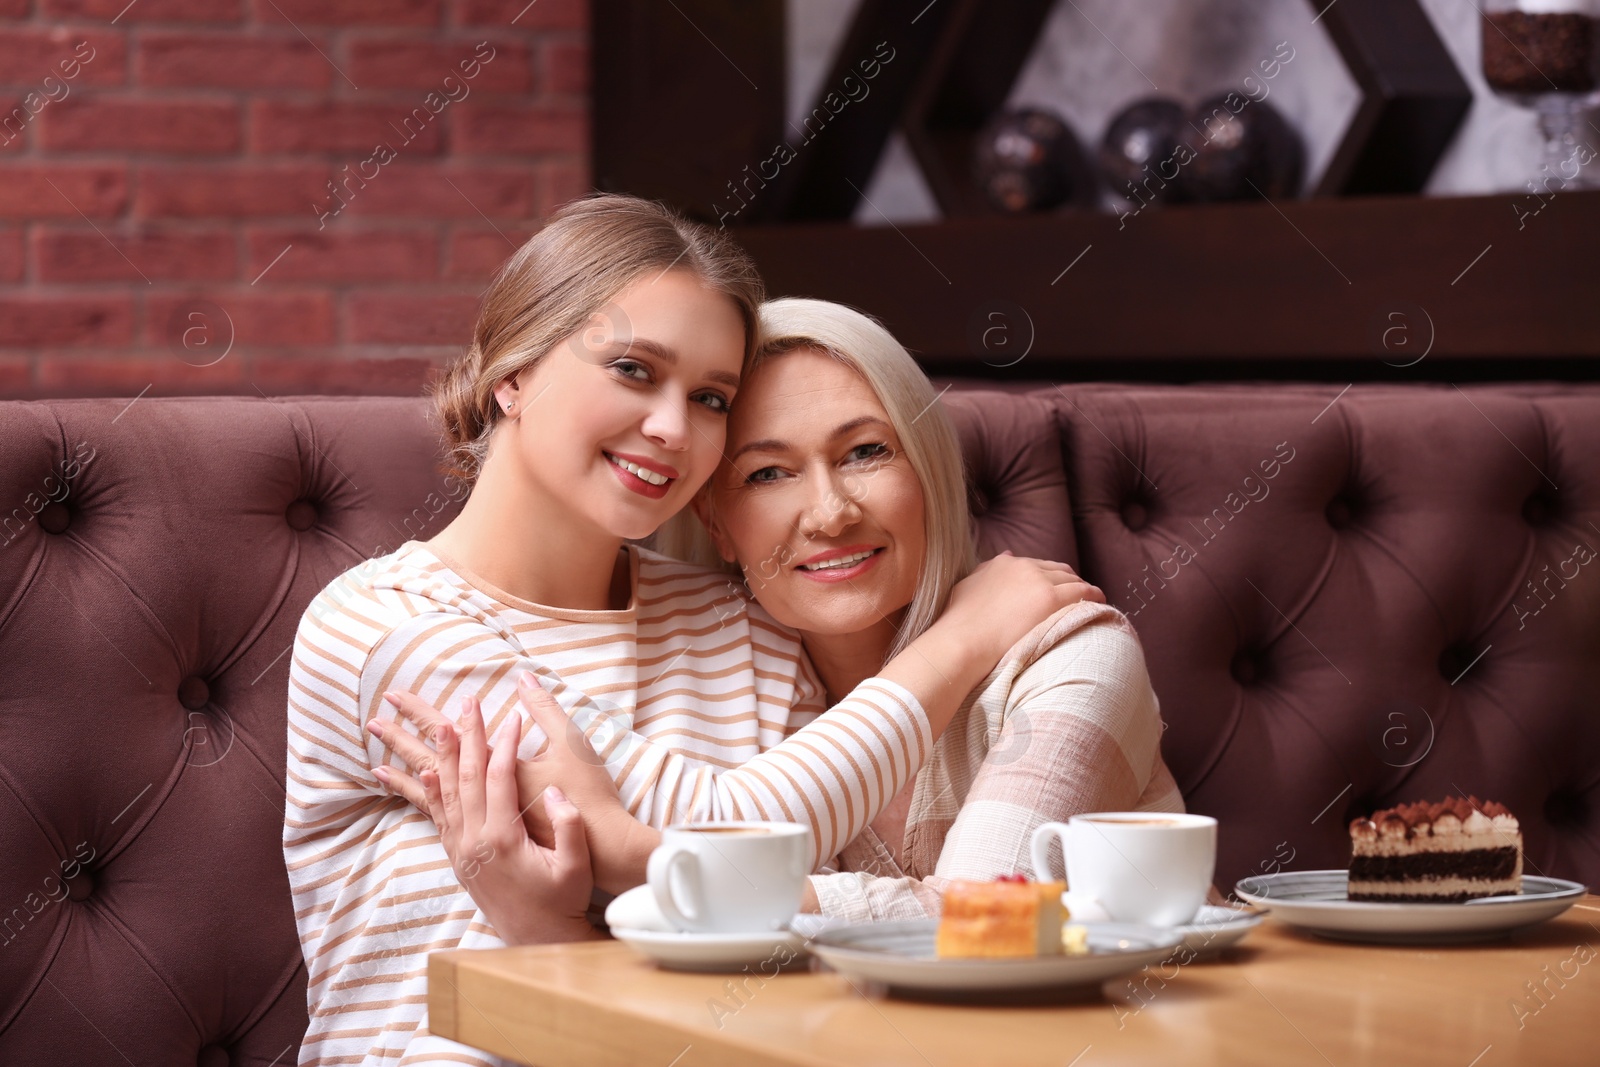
588,252
926,435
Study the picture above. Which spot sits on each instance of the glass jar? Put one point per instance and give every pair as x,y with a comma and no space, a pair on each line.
1545,55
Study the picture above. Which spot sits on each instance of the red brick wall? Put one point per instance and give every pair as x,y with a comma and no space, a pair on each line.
316,188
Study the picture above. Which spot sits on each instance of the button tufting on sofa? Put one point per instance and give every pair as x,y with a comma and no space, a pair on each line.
1540,509
1456,659
1564,809
189,569
1249,666
55,517
81,887
194,693
1341,511
301,515
1135,516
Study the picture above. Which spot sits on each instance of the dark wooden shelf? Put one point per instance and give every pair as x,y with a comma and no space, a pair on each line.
701,133
1301,289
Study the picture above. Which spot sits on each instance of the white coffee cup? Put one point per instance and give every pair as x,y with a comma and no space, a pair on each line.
730,877
1139,866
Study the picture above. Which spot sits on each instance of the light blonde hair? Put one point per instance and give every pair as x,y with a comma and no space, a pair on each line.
926,435
588,252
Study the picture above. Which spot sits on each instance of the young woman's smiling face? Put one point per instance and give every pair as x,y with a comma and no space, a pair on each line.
817,502
622,424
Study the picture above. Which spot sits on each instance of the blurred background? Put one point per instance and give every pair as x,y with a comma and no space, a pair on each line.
1093,58
290,196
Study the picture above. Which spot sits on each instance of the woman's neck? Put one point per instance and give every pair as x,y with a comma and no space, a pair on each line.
844,661
517,539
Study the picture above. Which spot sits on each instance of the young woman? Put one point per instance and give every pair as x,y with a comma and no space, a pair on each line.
591,406
838,453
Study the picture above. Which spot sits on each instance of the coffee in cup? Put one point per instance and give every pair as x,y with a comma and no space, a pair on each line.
730,877
1143,867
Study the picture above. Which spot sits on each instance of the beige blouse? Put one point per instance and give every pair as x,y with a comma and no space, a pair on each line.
1067,723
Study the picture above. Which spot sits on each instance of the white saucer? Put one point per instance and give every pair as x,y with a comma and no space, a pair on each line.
1216,928
636,909
762,953
1211,930
635,920
1317,901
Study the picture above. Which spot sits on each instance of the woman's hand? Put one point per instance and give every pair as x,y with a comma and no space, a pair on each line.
529,893
1005,597
619,845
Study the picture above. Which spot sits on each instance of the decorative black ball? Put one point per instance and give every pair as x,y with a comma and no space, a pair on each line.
1243,148
1144,150
1029,160
1283,154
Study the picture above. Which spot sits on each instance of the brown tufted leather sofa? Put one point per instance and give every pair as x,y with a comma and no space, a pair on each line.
1346,599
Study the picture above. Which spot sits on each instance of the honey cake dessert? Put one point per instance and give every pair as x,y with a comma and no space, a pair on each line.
1007,918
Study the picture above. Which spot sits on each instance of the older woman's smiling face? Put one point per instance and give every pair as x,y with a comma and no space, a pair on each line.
816,501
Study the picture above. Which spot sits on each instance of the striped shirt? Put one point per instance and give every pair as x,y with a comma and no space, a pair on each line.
700,704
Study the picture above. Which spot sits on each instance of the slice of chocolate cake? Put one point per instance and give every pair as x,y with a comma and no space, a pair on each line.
1423,853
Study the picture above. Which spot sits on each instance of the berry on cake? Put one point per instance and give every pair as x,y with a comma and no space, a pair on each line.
1457,849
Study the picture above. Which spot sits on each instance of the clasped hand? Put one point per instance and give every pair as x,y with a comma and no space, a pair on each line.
527,838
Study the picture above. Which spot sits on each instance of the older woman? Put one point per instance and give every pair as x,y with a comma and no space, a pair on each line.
841,503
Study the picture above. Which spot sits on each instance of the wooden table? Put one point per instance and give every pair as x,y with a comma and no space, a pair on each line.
1278,998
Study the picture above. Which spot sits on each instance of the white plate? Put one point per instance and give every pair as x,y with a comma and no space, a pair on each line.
1318,901
762,953
901,955
1216,928
1213,928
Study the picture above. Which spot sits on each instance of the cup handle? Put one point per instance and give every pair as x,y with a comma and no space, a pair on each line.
663,861
1041,848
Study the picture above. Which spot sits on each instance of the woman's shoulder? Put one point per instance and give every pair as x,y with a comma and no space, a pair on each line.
383,592
1086,664
1086,632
